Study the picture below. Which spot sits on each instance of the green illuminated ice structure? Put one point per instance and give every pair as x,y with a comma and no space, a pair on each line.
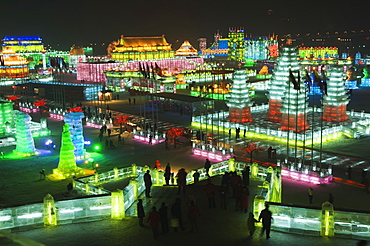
6,117
25,143
74,120
67,163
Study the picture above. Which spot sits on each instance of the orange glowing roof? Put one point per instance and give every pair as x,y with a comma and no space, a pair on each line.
186,49
143,41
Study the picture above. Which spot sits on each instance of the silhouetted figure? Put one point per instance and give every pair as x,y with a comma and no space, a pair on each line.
245,175
266,217
150,139
310,194
154,219
167,174
251,223
207,166
148,183
140,212
196,176
181,180
269,151
163,212
176,215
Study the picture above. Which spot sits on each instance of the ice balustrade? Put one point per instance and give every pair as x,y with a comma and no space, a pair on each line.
288,218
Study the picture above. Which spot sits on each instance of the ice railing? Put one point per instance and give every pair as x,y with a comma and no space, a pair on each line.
293,219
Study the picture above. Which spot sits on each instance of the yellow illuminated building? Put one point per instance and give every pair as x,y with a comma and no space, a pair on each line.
12,65
140,48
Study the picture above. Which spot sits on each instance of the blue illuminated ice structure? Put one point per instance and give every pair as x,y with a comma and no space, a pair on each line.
25,143
74,120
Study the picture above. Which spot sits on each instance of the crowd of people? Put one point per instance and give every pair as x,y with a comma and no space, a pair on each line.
233,187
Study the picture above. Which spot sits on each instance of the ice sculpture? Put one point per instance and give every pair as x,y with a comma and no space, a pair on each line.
25,143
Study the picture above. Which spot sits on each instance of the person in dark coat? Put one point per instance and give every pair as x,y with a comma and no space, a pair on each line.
176,214
245,175
164,218
181,180
266,217
140,212
148,183
207,166
167,174
196,176
223,195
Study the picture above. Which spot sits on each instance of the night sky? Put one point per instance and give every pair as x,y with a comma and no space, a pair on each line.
65,23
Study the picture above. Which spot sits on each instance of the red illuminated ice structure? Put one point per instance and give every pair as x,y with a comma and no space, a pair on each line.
294,106
239,99
335,99
288,59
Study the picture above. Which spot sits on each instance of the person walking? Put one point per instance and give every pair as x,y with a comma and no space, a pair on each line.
193,214
150,139
167,173
207,166
154,219
148,183
210,192
176,215
181,180
266,217
251,223
245,175
349,172
140,212
119,139
310,194
163,212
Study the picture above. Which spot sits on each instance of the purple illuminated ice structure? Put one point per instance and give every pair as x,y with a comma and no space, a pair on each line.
211,155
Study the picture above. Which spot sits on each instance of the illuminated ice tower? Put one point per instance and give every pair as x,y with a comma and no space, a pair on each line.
288,59
74,120
6,117
335,101
236,44
239,99
67,164
25,143
294,106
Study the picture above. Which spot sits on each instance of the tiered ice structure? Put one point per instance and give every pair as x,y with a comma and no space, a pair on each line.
288,59
294,107
74,120
336,100
67,163
25,143
239,99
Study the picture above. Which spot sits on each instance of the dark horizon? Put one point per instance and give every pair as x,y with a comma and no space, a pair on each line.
81,23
